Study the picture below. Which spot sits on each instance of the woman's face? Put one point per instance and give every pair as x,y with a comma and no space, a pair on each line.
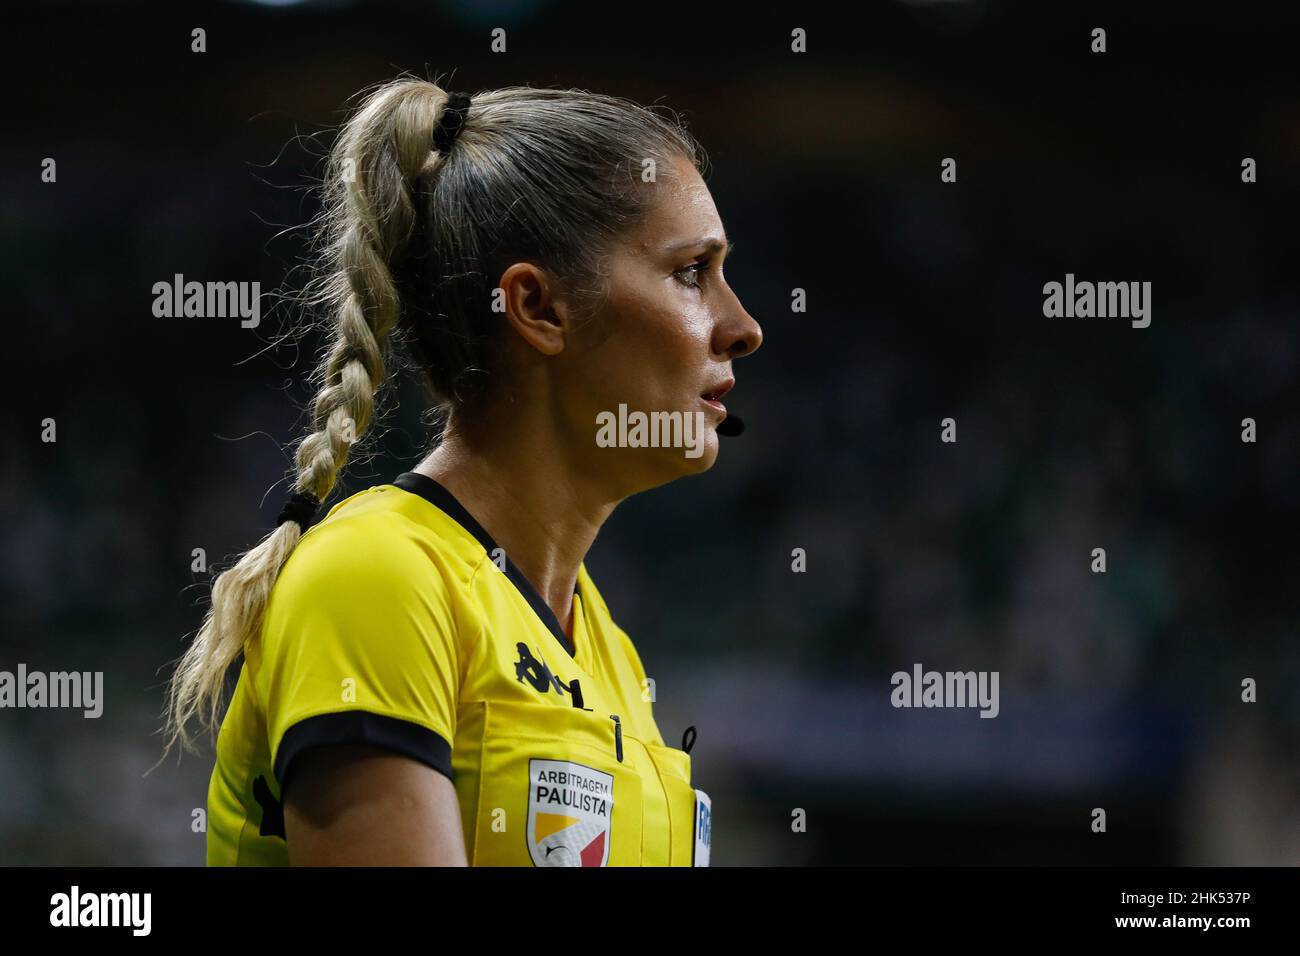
663,343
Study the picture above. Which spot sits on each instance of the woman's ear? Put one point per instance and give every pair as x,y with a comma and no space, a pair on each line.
533,307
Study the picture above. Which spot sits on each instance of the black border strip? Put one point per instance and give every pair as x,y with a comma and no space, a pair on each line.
361,727
438,496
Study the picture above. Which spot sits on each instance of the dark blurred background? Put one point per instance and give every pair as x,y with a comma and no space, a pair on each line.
1119,690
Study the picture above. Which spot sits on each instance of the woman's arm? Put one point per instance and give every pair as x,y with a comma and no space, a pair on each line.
356,805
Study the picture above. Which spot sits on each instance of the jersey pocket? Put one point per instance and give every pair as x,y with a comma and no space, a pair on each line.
553,791
674,767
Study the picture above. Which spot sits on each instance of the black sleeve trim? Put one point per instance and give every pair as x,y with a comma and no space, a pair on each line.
361,727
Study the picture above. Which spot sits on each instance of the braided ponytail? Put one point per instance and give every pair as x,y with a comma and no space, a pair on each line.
368,219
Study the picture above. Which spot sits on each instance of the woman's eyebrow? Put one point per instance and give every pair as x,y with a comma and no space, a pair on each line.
710,244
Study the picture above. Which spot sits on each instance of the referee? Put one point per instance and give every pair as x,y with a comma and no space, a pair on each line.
430,675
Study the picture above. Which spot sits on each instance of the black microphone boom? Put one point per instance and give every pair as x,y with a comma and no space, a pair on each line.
731,426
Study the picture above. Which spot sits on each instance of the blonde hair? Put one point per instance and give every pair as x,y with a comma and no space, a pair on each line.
413,241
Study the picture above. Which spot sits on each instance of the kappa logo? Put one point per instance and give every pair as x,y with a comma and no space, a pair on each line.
536,672
570,808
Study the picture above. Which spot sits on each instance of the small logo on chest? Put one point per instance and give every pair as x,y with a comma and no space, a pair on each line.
536,672
570,806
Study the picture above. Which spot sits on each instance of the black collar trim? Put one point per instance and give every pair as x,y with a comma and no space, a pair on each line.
434,493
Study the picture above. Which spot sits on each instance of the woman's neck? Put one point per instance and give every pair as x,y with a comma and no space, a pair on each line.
533,504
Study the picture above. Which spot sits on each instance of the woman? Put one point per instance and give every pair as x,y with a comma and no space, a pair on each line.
430,676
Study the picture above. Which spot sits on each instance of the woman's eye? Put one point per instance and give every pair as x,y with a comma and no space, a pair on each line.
692,275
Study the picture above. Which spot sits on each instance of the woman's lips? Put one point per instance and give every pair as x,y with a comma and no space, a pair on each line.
716,406
712,398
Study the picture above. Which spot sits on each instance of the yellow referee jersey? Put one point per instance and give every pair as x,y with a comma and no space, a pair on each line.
393,624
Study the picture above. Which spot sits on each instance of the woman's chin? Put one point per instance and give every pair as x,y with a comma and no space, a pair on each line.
658,466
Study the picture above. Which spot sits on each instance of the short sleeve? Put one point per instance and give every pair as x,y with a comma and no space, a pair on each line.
359,646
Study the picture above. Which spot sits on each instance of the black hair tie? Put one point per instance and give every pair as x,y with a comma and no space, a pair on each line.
451,121
300,509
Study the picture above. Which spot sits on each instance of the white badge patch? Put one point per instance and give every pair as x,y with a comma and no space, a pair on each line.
569,812
703,829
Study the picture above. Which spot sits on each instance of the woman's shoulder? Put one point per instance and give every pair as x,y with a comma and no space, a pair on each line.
377,541
368,580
